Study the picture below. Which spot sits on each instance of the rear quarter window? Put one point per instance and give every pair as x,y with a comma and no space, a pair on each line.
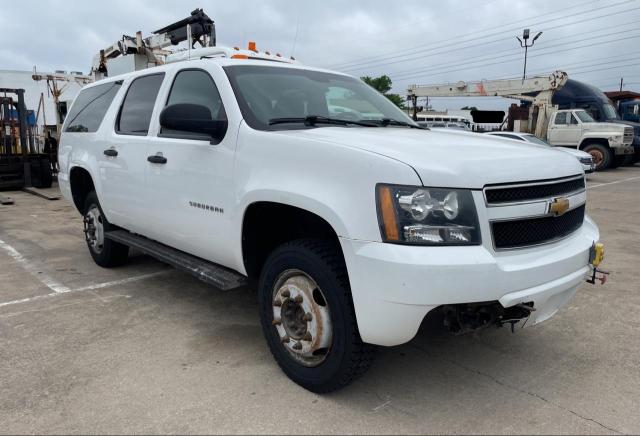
90,106
137,107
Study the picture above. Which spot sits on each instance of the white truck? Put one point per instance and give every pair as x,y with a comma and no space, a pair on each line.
236,168
605,142
608,143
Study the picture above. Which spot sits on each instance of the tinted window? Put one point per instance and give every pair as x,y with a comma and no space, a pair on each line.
196,87
136,110
90,106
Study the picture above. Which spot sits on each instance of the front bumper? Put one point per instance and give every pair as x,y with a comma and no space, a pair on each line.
622,149
395,286
588,168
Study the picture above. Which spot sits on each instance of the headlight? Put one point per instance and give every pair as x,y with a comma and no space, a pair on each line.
427,216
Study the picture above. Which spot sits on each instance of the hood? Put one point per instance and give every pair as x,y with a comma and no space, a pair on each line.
452,159
609,126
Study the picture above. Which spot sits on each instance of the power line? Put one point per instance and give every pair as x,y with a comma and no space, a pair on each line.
405,75
511,52
421,49
475,34
496,40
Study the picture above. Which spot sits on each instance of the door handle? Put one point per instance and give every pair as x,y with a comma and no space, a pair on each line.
157,159
111,152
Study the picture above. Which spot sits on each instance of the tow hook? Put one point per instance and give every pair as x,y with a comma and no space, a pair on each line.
596,255
599,275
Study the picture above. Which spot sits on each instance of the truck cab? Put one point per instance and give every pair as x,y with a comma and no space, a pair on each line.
608,143
579,95
630,111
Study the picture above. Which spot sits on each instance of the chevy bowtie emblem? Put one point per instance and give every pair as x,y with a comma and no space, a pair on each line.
559,206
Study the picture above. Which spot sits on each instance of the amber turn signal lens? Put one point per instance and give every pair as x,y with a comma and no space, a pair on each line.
388,213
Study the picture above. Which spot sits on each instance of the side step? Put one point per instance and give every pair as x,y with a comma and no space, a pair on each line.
209,272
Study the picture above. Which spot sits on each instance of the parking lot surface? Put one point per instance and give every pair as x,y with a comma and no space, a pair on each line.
147,349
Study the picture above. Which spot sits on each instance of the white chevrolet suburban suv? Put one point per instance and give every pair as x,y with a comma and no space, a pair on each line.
353,221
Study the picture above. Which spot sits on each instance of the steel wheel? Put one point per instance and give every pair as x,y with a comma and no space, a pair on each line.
94,228
301,317
597,155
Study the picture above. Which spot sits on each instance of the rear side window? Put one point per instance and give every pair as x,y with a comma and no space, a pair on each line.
137,107
90,106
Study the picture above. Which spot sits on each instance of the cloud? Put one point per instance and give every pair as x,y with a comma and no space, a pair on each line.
412,41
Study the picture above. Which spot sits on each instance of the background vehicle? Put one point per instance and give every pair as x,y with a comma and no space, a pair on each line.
579,95
536,111
443,125
630,111
585,159
608,143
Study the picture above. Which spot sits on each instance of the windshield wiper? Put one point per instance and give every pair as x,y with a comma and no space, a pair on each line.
312,120
384,122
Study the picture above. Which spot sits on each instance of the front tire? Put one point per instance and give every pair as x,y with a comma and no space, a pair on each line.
602,155
308,318
104,252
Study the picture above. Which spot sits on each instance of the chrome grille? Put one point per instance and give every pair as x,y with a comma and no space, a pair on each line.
526,192
628,135
535,231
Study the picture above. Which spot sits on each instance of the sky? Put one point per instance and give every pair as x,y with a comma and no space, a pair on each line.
412,41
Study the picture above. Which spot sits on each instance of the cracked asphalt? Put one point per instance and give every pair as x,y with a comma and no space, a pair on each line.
147,349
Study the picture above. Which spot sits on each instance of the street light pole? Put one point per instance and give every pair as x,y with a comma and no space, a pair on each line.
524,44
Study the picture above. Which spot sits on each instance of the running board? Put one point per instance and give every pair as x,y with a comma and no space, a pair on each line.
209,272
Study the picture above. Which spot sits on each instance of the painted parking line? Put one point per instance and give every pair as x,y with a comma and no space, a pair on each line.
57,287
86,288
613,183
41,276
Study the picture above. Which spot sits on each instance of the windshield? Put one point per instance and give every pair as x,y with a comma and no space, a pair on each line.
535,140
584,117
269,93
610,112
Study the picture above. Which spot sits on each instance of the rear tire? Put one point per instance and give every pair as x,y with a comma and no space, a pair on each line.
602,155
104,252
304,286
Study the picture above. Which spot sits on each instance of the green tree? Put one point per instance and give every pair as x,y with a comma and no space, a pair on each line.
383,85
469,108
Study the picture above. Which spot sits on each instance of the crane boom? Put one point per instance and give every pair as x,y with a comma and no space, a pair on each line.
537,89
197,27
502,88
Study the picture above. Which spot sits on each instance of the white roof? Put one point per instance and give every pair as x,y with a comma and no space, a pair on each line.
220,55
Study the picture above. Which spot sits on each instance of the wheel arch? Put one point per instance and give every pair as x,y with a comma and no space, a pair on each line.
81,184
595,140
268,224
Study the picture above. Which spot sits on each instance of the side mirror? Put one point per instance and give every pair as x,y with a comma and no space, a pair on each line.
193,118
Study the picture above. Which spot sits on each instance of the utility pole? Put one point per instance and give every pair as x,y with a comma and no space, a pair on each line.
525,45
621,83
